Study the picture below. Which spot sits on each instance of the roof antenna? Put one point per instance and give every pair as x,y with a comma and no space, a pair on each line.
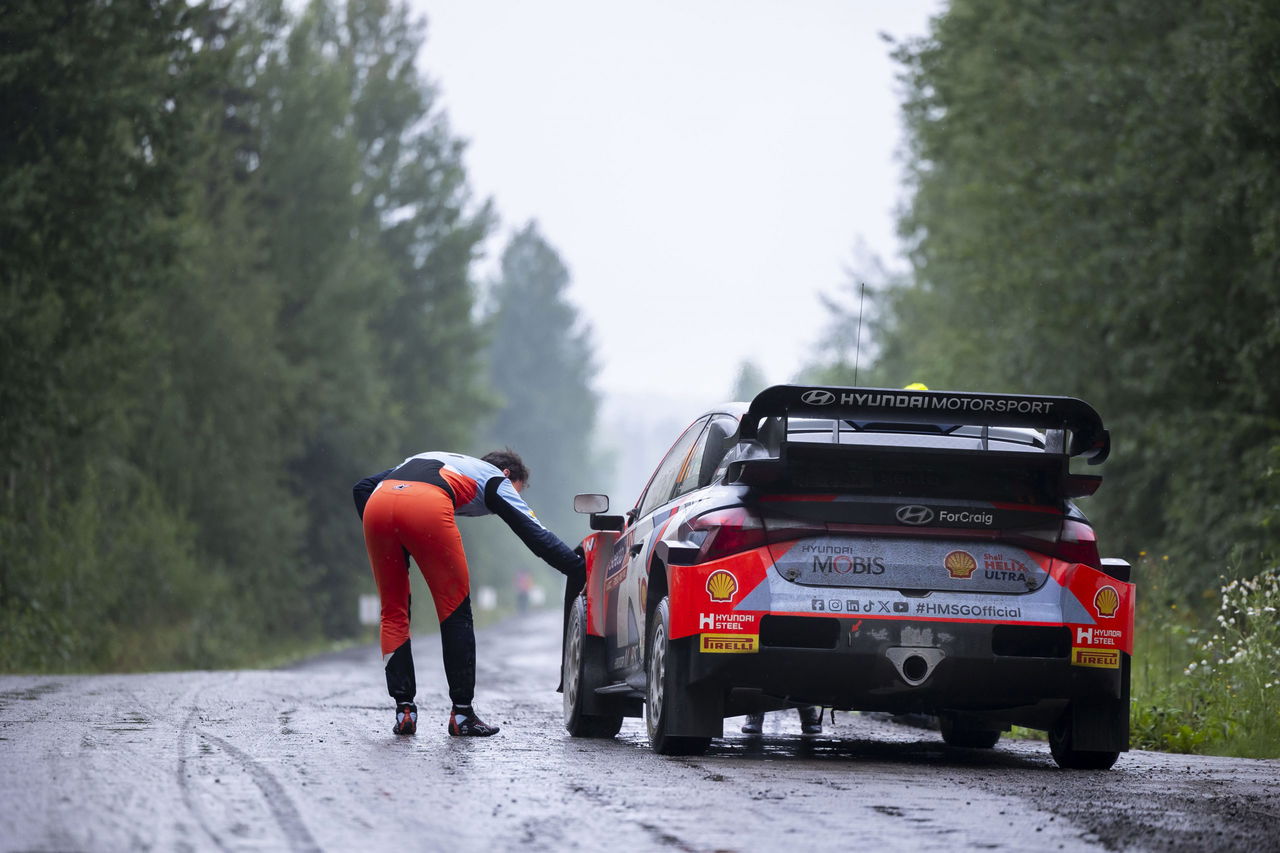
857,346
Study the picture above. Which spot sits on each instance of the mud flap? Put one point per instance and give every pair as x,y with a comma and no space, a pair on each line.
574,584
700,711
593,676
1101,724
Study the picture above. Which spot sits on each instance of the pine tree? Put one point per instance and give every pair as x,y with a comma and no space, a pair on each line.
541,363
749,382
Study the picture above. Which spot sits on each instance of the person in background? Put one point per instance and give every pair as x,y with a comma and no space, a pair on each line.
524,591
410,510
810,721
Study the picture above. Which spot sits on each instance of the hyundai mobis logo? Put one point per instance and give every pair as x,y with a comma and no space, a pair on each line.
818,397
914,514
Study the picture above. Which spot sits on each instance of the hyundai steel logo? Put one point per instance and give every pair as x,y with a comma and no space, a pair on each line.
915,514
818,397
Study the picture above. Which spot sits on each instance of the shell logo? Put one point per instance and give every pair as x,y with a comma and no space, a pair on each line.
721,585
1107,602
960,564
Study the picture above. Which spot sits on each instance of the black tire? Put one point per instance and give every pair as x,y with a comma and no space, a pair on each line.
967,736
1070,758
582,670
666,689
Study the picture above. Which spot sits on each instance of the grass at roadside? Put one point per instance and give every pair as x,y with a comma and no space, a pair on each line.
1206,675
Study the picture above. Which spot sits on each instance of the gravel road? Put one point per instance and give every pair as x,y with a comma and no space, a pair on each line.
303,759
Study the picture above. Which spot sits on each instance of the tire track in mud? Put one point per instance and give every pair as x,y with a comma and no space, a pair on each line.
274,796
277,799
186,733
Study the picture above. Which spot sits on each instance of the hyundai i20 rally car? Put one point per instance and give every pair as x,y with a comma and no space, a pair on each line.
862,549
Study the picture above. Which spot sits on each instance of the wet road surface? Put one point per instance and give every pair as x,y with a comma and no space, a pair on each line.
303,759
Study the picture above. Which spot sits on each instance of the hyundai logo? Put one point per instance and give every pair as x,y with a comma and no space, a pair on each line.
818,397
915,514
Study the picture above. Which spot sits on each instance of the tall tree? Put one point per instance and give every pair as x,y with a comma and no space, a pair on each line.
541,363
237,277
1095,211
749,381
95,98
372,236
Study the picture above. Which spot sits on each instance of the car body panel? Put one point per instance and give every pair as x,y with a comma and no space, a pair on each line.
898,568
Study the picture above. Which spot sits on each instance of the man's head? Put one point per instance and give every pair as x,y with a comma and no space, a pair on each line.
510,464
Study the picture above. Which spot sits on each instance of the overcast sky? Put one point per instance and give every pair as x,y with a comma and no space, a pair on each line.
705,167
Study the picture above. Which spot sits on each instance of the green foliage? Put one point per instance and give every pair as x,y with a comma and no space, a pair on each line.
1095,211
541,363
91,179
1212,689
237,278
749,382
369,233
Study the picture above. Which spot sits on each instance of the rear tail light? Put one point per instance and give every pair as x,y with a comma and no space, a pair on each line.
726,531
1074,541
1078,544
723,532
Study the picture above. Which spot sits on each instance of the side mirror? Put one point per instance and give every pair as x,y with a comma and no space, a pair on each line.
595,506
590,504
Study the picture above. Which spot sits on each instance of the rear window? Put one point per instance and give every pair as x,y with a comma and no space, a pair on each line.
976,477
961,437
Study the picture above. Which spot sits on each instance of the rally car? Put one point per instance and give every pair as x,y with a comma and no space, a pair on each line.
861,549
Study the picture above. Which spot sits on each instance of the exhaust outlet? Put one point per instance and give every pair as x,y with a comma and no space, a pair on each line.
914,664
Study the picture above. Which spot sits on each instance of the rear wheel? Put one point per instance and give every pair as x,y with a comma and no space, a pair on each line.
957,732
1070,758
582,671
666,690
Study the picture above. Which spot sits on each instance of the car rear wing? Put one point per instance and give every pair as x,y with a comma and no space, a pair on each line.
1088,438
1071,428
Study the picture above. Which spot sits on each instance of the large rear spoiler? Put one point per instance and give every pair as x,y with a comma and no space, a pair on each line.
886,405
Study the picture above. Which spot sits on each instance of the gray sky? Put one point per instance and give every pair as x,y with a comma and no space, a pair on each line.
705,168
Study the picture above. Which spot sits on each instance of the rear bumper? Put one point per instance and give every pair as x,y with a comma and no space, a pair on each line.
1018,674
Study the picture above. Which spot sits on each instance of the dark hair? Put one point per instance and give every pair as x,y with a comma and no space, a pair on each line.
507,459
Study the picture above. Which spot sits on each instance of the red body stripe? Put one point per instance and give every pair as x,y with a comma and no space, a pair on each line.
464,488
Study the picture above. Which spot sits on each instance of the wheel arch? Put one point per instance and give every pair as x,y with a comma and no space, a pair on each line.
659,587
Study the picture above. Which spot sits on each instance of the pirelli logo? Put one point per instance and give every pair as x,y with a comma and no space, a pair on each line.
1102,658
730,643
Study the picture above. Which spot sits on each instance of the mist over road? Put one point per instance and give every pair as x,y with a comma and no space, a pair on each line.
304,759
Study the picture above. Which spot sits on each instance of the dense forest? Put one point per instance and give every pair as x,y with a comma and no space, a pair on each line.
239,253
240,271
1093,209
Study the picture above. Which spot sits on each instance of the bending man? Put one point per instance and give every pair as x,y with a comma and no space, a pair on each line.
409,510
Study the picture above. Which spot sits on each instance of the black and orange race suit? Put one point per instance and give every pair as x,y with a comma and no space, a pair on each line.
410,510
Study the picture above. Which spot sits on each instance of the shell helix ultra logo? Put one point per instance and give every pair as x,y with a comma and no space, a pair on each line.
721,585
960,564
1106,602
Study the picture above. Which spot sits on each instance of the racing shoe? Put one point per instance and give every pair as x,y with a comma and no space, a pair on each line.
753,725
463,722
810,720
406,719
